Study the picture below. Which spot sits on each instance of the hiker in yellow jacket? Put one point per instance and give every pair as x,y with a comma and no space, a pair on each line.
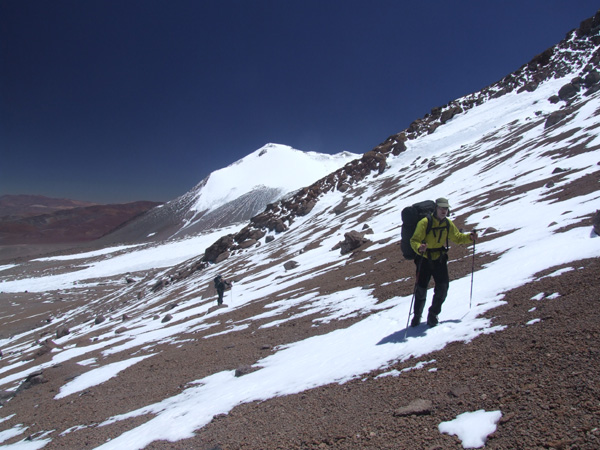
432,258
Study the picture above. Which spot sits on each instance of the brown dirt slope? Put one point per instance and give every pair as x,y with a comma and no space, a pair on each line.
542,376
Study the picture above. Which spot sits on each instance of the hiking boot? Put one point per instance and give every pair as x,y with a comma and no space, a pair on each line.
432,320
419,305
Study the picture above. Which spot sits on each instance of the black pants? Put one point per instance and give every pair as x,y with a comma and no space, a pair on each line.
220,300
438,269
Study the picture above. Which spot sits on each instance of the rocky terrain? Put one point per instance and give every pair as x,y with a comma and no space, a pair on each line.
542,377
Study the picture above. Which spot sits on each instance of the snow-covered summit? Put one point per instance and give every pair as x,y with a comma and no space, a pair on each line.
273,166
234,193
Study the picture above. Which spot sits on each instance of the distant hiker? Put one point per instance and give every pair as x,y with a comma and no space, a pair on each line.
220,285
432,257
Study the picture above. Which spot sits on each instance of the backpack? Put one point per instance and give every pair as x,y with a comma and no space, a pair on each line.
411,215
219,282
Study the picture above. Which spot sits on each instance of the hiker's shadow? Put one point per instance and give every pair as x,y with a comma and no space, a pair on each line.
402,335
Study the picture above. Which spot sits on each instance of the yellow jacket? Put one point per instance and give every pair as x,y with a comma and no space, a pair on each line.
437,237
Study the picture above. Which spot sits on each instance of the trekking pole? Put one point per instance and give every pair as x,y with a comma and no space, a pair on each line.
413,296
472,271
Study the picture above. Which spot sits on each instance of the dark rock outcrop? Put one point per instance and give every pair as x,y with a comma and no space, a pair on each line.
33,379
555,117
99,319
290,265
567,91
596,222
62,332
221,246
352,241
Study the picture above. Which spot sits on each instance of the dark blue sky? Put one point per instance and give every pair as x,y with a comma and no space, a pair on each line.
121,100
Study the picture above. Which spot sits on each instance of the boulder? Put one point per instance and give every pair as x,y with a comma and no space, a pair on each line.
596,222
591,79
343,186
352,241
222,257
567,91
450,113
243,370
62,332
249,233
305,207
417,407
247,243
592,90
99,319
290,265
222,245
269,221
159,285
529,87
554,118
32,379
5,396
373,160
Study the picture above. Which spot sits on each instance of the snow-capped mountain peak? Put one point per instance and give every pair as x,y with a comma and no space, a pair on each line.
273,166
234,193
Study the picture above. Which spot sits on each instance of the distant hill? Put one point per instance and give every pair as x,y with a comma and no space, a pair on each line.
34,205
61,220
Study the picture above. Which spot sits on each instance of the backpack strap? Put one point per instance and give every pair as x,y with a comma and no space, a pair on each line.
429,224
442,227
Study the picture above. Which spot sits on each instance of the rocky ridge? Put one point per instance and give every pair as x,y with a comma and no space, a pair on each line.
578,53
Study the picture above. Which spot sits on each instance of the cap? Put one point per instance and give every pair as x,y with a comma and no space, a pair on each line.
442,202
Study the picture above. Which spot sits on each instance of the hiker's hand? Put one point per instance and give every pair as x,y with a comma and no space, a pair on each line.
422,248
473,236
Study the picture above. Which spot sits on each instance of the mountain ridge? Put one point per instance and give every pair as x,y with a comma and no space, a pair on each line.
232,194
578,43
